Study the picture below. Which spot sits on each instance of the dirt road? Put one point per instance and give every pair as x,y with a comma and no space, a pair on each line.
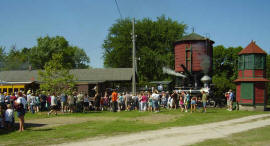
181,135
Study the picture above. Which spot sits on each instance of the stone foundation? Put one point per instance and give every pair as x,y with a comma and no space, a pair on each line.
251,108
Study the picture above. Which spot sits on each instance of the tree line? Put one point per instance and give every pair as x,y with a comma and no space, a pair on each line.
38,55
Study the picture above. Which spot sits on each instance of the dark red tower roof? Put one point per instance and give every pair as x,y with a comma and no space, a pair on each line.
252,48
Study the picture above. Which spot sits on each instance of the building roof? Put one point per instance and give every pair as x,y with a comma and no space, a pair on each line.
251,80
80,75
252,48
194,37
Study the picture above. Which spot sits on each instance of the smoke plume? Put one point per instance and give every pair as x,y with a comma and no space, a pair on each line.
172,72
205,63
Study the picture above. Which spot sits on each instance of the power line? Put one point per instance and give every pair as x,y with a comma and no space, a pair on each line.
118,9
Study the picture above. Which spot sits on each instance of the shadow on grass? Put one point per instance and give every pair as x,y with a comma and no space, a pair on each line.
15,127
47,129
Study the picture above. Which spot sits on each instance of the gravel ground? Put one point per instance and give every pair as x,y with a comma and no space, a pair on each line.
180,135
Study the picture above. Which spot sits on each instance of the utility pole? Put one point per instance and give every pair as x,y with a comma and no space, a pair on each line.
133,59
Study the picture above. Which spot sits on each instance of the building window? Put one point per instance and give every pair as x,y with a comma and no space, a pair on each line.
241,62
249,61
259,61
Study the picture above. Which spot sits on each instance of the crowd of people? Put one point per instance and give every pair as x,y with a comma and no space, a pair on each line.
152,101
80,102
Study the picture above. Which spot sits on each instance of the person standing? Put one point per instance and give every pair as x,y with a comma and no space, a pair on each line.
2,99
37,102
63,98
174,99
53,104
79,102
9,116
204,99
71,102
114,100
150,102
181,103
144,102
193,104
185,100
188,100
155,100
120,102
28,99
85,103
97,101
20,107
32,103
231,96
43,99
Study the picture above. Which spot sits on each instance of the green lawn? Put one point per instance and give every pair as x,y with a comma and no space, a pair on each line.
254,137
108,123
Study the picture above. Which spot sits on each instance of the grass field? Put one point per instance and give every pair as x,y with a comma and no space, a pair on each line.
72,127
255,137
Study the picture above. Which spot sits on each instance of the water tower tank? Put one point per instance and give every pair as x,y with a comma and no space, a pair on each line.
193,56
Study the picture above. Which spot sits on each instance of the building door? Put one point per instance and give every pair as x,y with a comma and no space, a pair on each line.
247,93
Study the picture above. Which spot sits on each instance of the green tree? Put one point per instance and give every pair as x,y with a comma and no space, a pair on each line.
2,57
154,45
73,57
16,60
225,69
56,77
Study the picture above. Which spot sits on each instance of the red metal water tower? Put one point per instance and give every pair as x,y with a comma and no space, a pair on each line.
251,83
194,52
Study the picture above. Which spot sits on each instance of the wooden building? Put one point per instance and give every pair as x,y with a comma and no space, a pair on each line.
251,84
194,52
85,79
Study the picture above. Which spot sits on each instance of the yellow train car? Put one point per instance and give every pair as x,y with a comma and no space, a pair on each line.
10,88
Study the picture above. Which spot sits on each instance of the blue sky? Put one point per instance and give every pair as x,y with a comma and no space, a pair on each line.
85,23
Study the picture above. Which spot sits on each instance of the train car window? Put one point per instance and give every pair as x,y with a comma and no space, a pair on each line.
4,90
16,89
10,90
22,89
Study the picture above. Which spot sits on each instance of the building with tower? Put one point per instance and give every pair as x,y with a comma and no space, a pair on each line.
193,57
251,84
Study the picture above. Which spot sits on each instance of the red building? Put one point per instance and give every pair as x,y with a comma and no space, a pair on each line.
251,84
194,52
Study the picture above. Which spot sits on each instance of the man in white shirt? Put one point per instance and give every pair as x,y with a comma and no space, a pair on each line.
155,97
53,104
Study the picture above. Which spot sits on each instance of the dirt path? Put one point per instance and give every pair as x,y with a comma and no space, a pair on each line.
181,135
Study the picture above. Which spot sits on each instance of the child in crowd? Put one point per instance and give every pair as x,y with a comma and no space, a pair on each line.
193,104
181,103
9,116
